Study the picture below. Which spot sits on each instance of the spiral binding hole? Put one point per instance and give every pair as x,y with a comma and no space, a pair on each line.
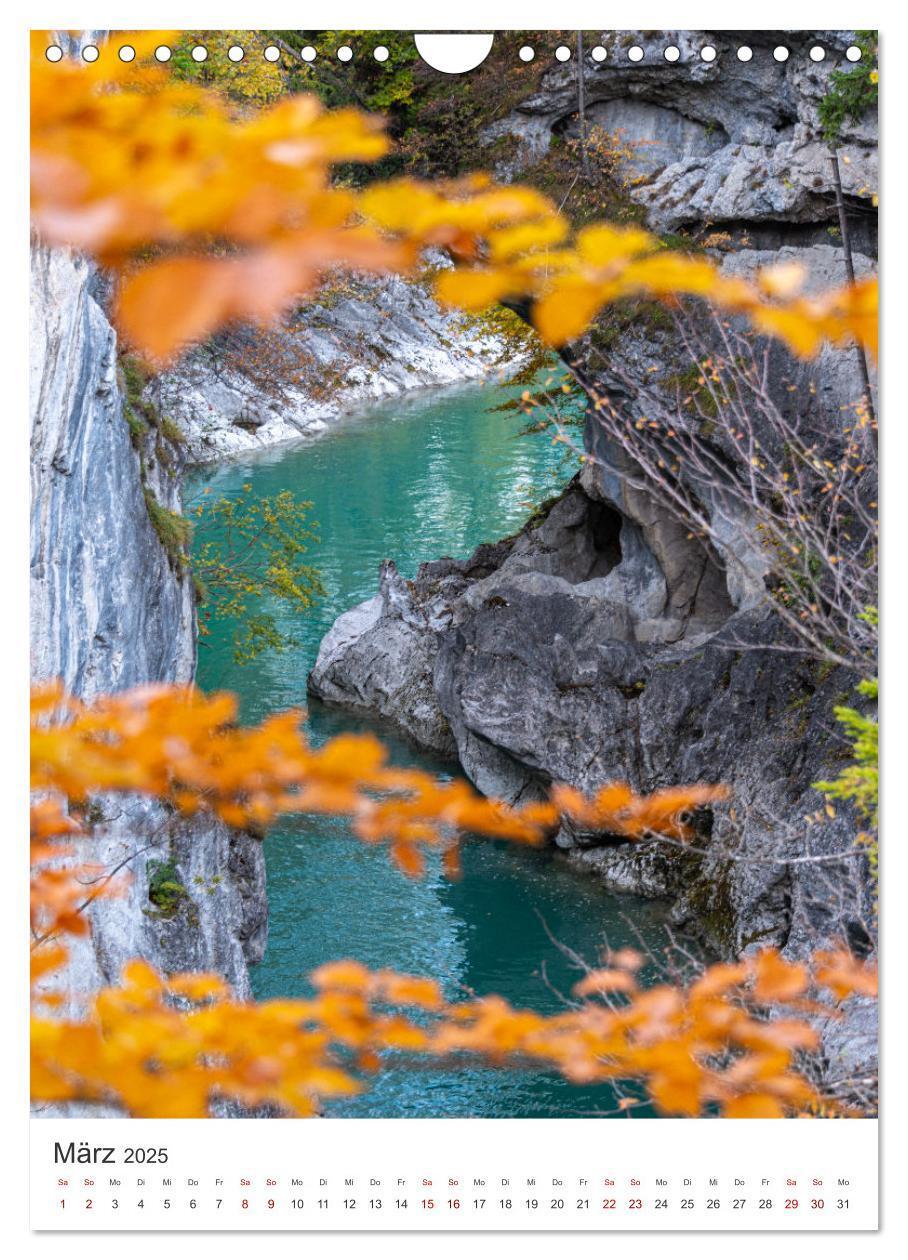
635,53
308,53
54,52
672,53
235,53
90,53
817,53
781,53
707,53
199,53
272,53
381,53
126,52
162,53
853,53
345,53
745,53
599,53
563,53
526,53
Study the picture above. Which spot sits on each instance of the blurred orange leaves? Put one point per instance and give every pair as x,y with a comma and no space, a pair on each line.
710,1044
181,745
157,1046
212,215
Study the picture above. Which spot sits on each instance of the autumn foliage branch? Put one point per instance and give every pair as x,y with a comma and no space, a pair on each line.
174,1047
210,216
156,1046
179,745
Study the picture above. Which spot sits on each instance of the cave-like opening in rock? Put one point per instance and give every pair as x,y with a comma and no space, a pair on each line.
604,524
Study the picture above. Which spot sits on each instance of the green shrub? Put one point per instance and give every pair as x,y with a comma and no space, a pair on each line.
165,892
172,431
852,93
174,531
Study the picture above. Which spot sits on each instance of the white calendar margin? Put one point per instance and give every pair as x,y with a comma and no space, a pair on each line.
430,1175
409,15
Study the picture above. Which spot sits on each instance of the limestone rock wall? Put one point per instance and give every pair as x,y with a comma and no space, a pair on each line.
108,612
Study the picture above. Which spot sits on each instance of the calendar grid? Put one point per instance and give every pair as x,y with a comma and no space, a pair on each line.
462,1175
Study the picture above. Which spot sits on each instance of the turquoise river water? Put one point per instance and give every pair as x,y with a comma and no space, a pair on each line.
430,475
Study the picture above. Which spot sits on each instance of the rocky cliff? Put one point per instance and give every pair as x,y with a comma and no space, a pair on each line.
366,338
735,144
606,641
109,611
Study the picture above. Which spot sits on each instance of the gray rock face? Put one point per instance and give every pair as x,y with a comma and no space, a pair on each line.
603,642
373,339
722,142
108,612
573,654
659,136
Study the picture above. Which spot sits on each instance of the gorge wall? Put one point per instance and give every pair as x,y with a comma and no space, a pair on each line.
109,611
364,338
605,642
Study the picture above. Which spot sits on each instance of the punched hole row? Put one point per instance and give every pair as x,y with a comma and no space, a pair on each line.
527,53
673,53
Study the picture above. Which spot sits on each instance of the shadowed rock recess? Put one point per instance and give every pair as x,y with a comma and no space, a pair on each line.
603,642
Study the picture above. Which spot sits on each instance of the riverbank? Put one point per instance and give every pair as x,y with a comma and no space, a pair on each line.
365,339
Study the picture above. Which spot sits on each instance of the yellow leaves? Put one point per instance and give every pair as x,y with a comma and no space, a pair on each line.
212,216
138,161
168,305
608,264
567,310
139,1051
349,976
603,244
509,243
57,896
171,1047
754,1107
472,290
605,980
461,213
617,810
344,974
783,280
838,316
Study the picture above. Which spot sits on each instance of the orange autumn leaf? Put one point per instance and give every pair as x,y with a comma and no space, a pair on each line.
130,164
142,1053
605,980
776,980
174,303
753,1107
842,973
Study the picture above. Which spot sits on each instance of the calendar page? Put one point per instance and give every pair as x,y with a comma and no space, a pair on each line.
454,553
